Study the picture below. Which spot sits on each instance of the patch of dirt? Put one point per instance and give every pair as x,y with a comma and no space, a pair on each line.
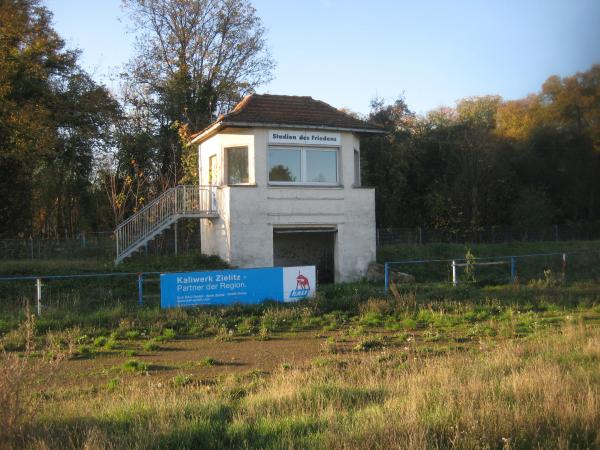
240,355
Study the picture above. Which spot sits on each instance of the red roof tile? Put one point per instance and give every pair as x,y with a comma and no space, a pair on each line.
282,110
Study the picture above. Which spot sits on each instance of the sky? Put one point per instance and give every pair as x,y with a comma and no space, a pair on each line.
347,52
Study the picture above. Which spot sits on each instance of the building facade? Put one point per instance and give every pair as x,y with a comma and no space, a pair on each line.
286,177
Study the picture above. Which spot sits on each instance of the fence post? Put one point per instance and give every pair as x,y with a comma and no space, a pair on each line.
175,234
564,267
513,269
454,279
387,279
140,283
38,288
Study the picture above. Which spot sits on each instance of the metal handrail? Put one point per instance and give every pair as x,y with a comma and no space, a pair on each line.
182,200
141,211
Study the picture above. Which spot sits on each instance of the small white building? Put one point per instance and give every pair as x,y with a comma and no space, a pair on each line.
288,191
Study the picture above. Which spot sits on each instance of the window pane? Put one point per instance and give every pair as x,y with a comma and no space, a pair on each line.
321,166
237,165
284,165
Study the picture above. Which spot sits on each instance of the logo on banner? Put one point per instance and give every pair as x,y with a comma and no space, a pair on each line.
302,287
299,282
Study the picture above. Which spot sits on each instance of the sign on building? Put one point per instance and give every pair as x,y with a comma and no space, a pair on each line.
246,286
304,137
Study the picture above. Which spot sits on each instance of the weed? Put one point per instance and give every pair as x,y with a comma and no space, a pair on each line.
329,346
151,346
432,336
19,382
169,333
371,320
409,324
100,341
132,334
133,365
181,380
83,351
225,335
322,362
247,326
207,361
368,344
356,331
403,337
111,343
112,384
263,334
377,306
385,357
13,341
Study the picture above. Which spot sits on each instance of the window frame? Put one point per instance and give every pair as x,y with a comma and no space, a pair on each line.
226,160
213,172
303,165
357,174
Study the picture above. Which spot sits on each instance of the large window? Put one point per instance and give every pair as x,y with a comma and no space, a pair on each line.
303,166
237,165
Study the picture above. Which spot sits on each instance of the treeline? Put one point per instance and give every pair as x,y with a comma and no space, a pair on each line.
525,163
76,157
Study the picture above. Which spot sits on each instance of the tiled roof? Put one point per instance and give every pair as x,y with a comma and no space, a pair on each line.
282,110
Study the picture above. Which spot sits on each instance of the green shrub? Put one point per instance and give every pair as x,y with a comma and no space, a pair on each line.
132,334
133,365
111,344
83,351
151,346
371,320
369,344
181,380
100,341
112,384
169,333
207,361
263,334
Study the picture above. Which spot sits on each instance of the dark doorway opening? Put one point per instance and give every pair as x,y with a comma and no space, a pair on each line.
306,247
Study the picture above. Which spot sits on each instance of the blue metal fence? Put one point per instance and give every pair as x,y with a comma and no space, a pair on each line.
39,279
510,260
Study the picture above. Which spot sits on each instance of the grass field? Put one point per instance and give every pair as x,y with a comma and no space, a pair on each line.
498,366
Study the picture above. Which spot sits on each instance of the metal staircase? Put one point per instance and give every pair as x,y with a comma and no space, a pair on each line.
176,203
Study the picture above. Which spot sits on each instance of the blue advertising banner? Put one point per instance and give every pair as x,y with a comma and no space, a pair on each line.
246,286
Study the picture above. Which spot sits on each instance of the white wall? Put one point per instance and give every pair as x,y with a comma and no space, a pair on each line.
243,234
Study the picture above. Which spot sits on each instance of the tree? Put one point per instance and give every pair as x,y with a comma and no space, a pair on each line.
53,119
388,163
195,58
532,210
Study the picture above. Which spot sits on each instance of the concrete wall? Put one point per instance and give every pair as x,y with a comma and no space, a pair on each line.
243,234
